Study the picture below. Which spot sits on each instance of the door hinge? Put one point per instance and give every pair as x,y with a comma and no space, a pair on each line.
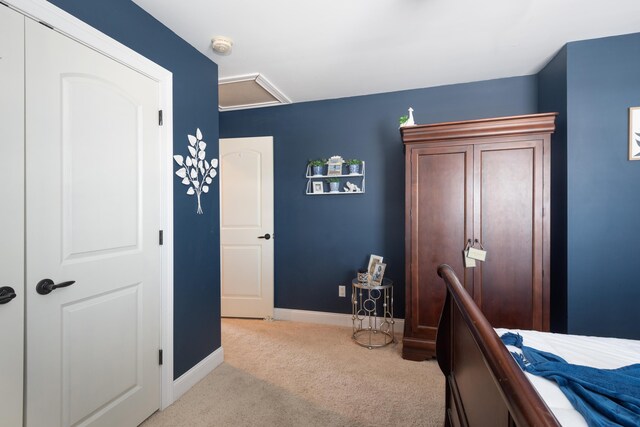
161,237
160,357
160,120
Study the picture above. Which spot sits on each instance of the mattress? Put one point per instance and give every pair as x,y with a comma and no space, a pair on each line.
598,352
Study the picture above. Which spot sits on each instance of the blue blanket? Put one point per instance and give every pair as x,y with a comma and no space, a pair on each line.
604,397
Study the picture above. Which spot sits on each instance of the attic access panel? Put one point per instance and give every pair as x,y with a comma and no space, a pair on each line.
249,91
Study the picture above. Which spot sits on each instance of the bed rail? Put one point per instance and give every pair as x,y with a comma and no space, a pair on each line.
484,384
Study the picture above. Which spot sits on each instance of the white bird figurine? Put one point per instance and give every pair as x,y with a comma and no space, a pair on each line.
410,121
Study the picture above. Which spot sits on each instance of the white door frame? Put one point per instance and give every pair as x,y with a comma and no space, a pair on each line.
74,28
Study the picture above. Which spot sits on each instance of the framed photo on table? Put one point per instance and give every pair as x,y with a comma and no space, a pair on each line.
378,273
373,259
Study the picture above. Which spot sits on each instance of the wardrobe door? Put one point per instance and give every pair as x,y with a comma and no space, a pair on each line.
11,215
440,222
509,199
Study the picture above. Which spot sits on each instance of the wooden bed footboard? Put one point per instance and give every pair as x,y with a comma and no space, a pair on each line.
484,385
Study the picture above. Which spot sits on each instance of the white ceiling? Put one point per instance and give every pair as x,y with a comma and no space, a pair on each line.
313,50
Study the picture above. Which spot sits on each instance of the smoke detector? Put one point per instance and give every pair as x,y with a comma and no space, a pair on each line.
222,45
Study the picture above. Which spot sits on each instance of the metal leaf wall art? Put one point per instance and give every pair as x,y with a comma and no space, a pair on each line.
634,133
196,172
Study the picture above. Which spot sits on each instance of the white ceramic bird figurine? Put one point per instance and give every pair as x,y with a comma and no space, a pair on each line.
410,121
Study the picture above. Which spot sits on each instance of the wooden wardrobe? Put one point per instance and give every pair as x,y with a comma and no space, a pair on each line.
485,180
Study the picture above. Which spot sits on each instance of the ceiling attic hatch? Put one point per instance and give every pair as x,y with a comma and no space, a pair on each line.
248,91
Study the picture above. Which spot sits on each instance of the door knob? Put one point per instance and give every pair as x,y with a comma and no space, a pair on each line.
6,294
45,286
266,236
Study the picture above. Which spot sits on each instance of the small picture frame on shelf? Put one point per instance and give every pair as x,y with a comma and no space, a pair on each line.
334,169
334,165
317,187
378,273
373,259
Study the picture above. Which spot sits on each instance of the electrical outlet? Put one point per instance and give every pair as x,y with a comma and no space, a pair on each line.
342,292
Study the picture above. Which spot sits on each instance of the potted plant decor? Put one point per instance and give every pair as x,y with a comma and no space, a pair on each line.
354,165
334,185
317,166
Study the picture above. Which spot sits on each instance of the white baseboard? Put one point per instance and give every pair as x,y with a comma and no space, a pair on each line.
324,318
197,373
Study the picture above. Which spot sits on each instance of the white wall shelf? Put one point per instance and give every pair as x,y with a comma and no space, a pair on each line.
355,178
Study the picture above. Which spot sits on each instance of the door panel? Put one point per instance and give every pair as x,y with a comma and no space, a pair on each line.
93,214
242,197
246,212
442,217
87,230
508,286
81,321
245,282
12,213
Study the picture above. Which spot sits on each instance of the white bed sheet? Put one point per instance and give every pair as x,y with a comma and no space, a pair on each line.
598,352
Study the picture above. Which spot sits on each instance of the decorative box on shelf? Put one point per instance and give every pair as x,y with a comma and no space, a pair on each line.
347,183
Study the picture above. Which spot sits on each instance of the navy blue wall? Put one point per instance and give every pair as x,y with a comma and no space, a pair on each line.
195,99
552,97
603,198
322,240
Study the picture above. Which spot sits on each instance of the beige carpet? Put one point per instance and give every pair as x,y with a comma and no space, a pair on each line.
298,374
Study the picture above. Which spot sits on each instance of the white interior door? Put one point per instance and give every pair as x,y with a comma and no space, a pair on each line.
11,215
246,226
92,216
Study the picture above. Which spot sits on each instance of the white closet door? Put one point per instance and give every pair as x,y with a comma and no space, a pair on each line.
11,214
93,216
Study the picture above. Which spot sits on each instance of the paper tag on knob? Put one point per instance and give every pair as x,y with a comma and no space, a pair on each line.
478,254
468,262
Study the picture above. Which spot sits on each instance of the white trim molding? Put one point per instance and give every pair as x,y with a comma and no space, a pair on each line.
70,26
325,318
197,373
